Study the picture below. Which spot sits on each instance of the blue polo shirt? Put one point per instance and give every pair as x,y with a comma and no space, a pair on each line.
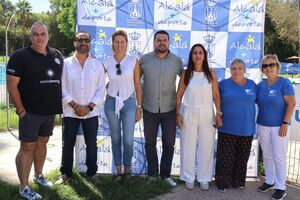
271,103
238,107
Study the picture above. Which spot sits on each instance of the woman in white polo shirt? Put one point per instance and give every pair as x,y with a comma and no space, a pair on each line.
123,102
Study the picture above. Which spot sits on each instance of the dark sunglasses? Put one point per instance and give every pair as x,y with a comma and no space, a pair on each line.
272,65
118,66
81,40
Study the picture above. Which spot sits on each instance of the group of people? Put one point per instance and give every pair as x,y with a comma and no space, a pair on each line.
41,83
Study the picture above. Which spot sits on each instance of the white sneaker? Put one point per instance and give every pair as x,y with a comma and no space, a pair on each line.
30,194
170,182
189,185
42,181
204,185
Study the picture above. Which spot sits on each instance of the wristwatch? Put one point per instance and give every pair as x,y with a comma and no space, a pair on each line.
219,112
90,107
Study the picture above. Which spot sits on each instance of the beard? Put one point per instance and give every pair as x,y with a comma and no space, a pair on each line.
161,49
83,49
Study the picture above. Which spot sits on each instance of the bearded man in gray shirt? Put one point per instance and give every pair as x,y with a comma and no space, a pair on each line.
159,70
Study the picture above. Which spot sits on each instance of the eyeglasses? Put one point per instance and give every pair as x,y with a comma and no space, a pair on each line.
118,66
81,40
272,65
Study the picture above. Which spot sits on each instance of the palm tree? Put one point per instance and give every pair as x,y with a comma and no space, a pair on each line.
23,10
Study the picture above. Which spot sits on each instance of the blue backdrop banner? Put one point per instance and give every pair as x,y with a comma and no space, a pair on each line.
227,28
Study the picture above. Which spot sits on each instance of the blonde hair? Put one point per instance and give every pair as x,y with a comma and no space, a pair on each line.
122,33
272,57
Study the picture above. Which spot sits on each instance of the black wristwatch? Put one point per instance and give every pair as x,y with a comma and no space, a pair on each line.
90,107
284,122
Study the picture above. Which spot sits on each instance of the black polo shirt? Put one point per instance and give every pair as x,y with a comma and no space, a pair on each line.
40,79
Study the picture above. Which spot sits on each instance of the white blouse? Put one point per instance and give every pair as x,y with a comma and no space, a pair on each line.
120,86
198,93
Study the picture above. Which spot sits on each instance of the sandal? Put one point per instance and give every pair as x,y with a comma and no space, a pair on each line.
119,178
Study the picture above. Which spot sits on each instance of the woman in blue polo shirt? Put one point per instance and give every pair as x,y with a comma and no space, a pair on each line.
238,96
276,102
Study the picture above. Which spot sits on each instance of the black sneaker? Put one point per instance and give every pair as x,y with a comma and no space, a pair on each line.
279,194
265,187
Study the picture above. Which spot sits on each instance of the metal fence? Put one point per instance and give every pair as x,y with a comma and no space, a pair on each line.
8,117
293,162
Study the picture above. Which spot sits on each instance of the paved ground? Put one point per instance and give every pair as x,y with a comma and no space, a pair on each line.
9,146
249,193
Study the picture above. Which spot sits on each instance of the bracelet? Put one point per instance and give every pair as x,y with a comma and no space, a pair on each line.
75,107
18,113
139,106
284,122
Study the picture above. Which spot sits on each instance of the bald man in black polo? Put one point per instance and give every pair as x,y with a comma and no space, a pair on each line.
34,85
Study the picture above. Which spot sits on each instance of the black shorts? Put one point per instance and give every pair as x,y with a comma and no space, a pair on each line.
31,126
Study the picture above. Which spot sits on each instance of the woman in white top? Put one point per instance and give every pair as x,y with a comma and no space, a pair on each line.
199,85
123,102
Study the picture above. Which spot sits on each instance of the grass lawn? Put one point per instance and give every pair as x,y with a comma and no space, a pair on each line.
81,188
3,58
13,119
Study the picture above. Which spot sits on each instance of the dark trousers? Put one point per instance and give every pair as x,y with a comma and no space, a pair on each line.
232,157
90,129
167,121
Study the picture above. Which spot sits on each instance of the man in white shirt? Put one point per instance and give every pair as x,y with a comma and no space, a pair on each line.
83,90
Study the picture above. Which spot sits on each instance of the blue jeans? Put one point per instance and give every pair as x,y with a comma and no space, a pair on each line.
90,129
126,123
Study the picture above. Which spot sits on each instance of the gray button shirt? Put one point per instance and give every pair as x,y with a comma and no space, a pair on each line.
159,88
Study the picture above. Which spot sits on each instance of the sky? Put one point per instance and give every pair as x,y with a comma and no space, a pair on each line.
37,5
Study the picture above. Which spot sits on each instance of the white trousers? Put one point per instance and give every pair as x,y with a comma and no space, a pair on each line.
274,149
197,129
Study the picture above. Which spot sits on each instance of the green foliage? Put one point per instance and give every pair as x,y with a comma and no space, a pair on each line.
3,58
6,9
13,119
66,15
284,16
43,17
58,39
274,45
261,168
23,11
82,188
282,28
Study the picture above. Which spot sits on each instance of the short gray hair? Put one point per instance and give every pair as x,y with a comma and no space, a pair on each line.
238,61
38,23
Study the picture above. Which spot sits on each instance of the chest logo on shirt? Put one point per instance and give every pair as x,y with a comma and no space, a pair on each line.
272,93
57,61
50,73
249,91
